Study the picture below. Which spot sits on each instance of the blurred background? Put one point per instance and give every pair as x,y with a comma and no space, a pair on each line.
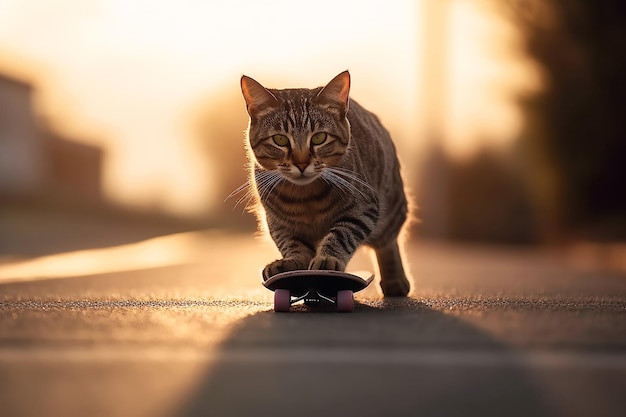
124,120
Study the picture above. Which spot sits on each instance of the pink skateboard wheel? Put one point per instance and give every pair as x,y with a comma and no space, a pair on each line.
345,301
282,301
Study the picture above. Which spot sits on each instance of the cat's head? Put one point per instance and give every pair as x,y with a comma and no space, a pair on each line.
298,132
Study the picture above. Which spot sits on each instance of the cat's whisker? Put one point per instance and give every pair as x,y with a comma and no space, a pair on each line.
243,187
247,198
278,180
248,193
343,184
267,181
351,175
346,193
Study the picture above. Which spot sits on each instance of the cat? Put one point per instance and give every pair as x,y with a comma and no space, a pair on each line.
328,180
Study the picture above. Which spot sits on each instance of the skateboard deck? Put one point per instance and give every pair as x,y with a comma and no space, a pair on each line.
316,287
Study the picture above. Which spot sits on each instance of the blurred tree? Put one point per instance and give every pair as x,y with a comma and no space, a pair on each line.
489,200
576,130
485,198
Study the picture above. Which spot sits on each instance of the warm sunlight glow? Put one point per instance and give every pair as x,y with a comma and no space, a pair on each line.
125,76
177,249
152,253
487,73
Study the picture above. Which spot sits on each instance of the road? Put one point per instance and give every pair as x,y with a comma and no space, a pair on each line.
179,325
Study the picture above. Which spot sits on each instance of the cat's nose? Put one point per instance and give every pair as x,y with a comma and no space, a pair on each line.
302,167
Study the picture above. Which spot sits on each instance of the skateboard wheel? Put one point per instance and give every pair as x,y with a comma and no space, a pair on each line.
345,301
282,301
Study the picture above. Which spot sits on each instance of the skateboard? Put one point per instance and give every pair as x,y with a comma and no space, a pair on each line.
317,287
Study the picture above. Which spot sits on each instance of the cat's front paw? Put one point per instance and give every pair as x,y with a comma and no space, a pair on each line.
329,263
283,265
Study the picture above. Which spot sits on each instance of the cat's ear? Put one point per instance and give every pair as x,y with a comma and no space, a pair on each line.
258,98
336,94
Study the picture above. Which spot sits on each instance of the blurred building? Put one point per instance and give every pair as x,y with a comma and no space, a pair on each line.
21,142
38,163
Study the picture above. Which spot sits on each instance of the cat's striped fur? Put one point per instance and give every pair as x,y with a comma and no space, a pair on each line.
328,178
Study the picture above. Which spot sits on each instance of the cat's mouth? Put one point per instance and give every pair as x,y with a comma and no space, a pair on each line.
302,179
300,175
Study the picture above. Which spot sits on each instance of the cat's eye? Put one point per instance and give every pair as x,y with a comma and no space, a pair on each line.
318,138
281,140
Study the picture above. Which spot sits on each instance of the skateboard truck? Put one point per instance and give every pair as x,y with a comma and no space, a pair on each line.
313,298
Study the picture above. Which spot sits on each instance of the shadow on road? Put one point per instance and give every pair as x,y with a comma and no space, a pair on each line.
388,358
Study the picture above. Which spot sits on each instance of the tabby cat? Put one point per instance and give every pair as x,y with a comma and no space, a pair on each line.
328,179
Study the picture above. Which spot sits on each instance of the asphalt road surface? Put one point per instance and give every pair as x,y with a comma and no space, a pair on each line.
181,326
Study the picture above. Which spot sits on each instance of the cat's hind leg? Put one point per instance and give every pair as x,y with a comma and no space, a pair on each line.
393,279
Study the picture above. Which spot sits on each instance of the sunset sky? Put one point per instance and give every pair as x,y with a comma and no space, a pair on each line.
126,74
